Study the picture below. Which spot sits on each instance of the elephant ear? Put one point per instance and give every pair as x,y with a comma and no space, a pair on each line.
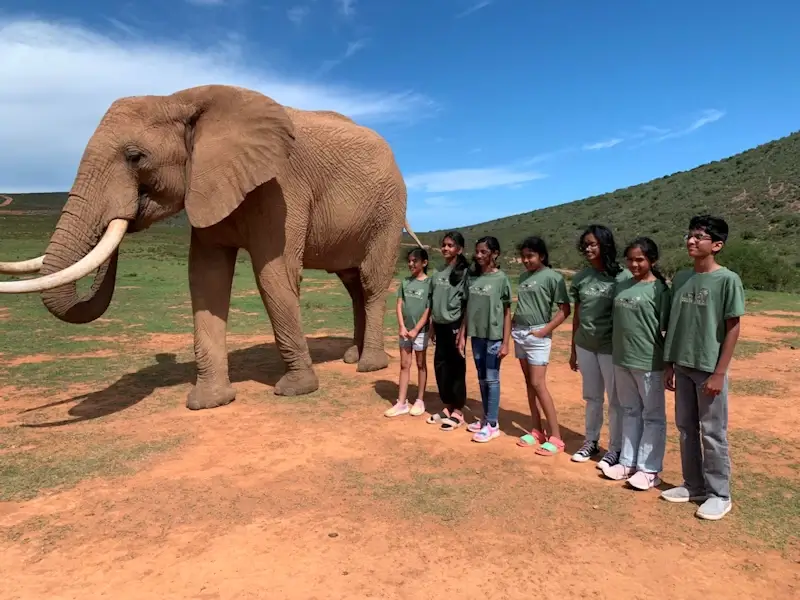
237,139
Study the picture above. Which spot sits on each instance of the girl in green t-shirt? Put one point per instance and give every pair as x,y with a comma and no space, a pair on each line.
540,287
592,291
413,309
641,316
488,323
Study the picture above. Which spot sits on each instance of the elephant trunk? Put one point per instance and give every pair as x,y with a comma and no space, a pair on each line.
74,237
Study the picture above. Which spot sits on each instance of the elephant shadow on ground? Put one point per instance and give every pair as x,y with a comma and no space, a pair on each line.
511,422
261,363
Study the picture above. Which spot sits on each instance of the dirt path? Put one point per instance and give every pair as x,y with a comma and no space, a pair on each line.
322,497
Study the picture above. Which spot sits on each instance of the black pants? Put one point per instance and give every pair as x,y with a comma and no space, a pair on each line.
449,366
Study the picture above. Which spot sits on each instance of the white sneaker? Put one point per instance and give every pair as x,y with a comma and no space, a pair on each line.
399,408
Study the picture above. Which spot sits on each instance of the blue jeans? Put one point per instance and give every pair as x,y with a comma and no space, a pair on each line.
644,420
487,362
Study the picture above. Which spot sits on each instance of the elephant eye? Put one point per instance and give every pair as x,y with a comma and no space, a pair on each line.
133,156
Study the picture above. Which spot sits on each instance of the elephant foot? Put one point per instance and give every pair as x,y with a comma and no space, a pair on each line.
297,383
372,360
205,395
352,355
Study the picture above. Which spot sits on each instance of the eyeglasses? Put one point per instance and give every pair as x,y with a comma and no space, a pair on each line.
698,237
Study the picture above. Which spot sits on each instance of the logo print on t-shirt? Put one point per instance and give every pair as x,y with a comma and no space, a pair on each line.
632,302
481,290
698,298
599,290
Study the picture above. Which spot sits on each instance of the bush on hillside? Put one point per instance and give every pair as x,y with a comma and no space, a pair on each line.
758,268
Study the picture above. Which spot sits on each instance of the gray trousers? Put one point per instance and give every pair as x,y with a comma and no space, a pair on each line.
707,466
597,373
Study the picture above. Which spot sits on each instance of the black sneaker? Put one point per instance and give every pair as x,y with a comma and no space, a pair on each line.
609,459
587,451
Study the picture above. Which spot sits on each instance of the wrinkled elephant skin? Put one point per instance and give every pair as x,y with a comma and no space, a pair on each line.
294,188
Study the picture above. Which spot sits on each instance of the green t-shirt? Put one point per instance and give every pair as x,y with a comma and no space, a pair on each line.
487,296
701,302
416,295
536,294
594,291
641,313
447,300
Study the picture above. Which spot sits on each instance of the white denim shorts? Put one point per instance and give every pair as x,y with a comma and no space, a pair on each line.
419,343
535,350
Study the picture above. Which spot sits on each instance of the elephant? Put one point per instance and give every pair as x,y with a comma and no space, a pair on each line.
294,188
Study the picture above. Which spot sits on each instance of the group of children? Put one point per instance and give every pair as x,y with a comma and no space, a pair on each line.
633,336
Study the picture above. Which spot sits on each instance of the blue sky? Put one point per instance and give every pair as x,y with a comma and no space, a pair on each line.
492,107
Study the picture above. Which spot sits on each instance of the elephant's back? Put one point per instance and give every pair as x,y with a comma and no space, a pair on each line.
356,188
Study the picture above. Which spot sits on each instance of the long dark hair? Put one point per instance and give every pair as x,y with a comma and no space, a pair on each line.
536,244
650,250
461,264
420,254
492,244
608,248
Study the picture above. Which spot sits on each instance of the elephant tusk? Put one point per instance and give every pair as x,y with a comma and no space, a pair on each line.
411,233
33,265
99,254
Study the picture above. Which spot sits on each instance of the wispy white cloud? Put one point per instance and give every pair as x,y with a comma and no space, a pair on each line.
50,106
707,117
346,7
604,144
298,14
352,49
457,180
474,8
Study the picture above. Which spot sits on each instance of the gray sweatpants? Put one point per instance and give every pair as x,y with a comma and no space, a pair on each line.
707,467
597,373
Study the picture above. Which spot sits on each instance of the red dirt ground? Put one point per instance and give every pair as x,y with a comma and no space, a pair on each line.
326,499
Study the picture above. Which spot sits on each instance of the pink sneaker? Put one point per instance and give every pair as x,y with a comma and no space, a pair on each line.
486,434
642,480
618,472
475,426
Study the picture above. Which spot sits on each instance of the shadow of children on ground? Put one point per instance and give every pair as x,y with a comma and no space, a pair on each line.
261,363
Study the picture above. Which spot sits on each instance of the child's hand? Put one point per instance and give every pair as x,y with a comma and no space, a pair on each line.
713,385
669,378
461,344
412,335
403,332
503,351
539,333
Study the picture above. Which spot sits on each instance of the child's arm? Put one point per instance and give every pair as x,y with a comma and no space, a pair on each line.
400,321
561,315
505,298
714,384
561,298
576,323
506,331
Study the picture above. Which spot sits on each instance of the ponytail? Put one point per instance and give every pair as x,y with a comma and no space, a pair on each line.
658,274
459,268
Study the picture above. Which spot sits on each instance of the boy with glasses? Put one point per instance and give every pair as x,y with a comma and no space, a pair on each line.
707,303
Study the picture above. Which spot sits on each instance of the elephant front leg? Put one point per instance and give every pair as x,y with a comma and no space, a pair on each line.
278,284
211,271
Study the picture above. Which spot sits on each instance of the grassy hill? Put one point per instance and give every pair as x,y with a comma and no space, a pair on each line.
757,191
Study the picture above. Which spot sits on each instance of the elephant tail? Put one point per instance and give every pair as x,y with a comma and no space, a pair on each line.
411,233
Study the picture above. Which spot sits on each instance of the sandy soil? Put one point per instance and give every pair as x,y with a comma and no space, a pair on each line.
325,498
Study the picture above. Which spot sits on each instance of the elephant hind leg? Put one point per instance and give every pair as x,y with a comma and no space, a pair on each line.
351,278
376,272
